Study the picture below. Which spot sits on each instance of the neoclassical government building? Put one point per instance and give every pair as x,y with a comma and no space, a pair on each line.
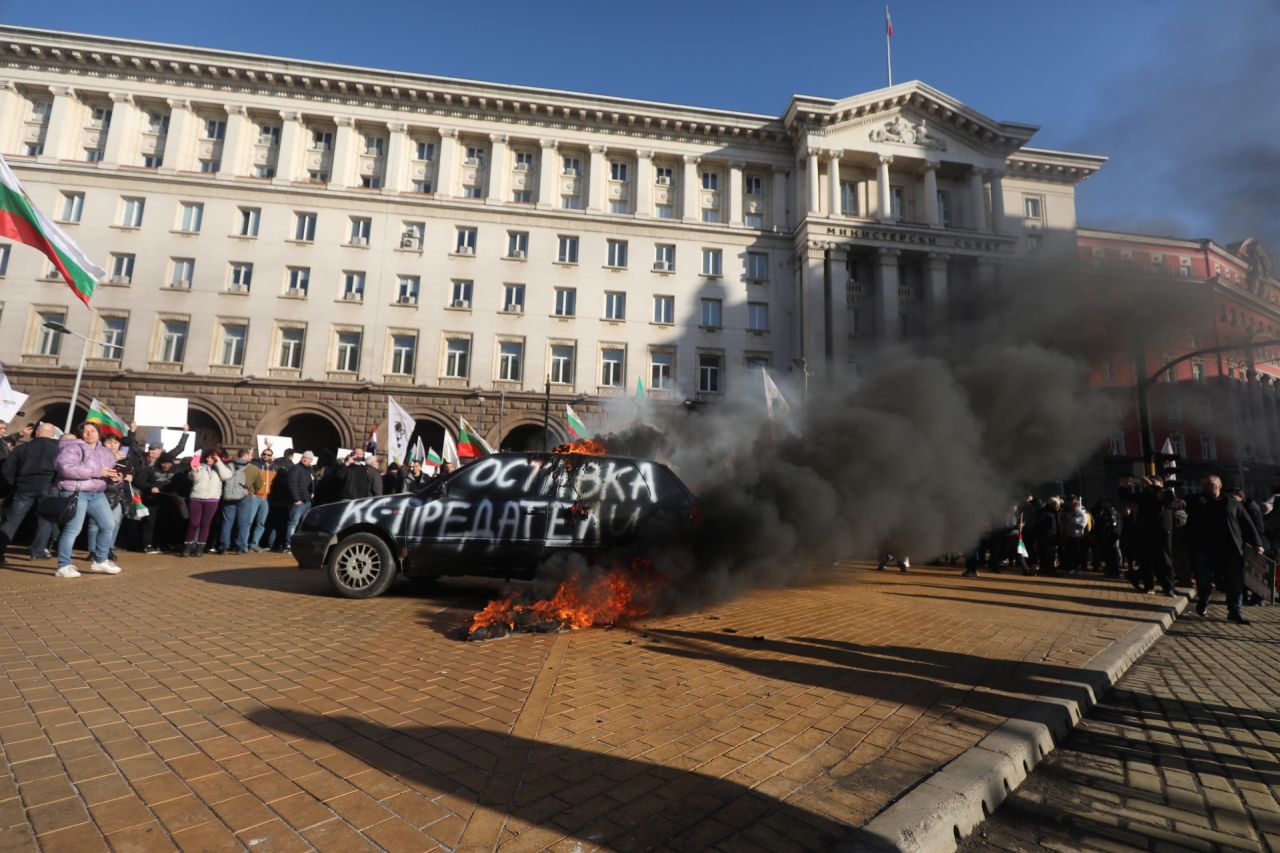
287,242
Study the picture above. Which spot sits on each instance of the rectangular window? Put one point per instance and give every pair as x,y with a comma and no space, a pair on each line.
568,251
562,364
321,140
361,229
461,294
371,182
100,118
466,242
572,166
664,211
231,352
373,145
4,258
661,366
250,218
1032,207
1115,443
121,268
566,301
269,134
353,285
173,341
422,187
404,348
612,364
944,208
757,266
317,176
131,212
299,281
475,155
710,181
304,227
664,309
412,235
615,305
753,185
517,244
208,167
848,198
663,176
49,342
617,171
664,257
457,358
291,342
190,217
1208,448
347,352
93,155
758,316
425,151
510,360
524,161
710,214
896,196
215,129
617,253
709,373
570,202
711,262
513,297
619,206
112,337
151,161
264,171
1197,371
72,207
182,272
407,287
241,277
710,316
157,123
522,197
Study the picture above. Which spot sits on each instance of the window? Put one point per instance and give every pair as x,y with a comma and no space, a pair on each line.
407,287
112,337
215,129
371,182
572,166
848,198
711,262
517,244
568,251
121,268
424,150
570,202
524,161
757,362
374,145
709,373
157,123
510,360
664,211
191,214
461,297
422,186
72,207
753,220
664,175
1178,440
231,352
615,305
475,155
513,297
1197,371
612,362
617,171
617,253
664,309
664,257
660,370
944,208
710,316
131,212
757,266
40,110
49,342
241,277
317,176
1115,444
758,316
1032,206
182,272
466,242
264,171
304,227
268,134
619,206
291,341
4,258
353,285
562,364
753,185
710,181
1174,405
566,301
347,352
361,228
710,214
151,161
93,155
522,197
173,341
456,358
34,149
403,351
896,196
250,217
321,140
412,235
299,281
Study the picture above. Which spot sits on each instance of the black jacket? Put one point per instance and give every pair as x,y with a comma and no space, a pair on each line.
31,467
352,481
300,483
1213,524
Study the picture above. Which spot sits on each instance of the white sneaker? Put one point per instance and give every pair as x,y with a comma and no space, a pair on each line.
67,571
105,568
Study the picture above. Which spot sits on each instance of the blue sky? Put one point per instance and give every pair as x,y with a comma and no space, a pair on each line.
1181,94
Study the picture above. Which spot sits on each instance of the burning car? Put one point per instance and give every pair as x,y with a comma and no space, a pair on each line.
501,516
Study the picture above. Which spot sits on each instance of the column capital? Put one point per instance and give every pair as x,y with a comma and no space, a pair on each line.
885,159
499,138
692,159
119,97
931,165
778,169
290,115
230,109
994,174
597,149
886,255
398,126
8,86
834,154
344,121
62,91
178,103
549,143
644,154
739,165
938,257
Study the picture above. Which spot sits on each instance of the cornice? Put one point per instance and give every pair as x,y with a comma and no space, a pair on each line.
1060,166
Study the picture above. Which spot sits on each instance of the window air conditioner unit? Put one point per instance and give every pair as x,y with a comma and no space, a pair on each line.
472,161
359,241
518,254
409,241
180,285
466,250
404,300
661,266
516,309
461,303
119,279
522,167
353,297
239,288
295,291
664,181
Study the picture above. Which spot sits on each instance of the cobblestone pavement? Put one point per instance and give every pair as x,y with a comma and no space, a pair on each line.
1183,754
233,703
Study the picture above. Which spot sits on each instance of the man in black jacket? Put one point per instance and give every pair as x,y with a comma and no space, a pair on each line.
300,486
1218,529
30,469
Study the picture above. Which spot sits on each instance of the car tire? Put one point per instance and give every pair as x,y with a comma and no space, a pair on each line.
361,566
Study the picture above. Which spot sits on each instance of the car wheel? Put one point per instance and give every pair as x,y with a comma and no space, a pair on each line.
361,566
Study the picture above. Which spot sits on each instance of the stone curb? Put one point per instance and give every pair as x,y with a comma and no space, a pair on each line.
935,815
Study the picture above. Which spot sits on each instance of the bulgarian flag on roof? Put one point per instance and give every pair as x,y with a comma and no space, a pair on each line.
109,423
577,428
470,444
21,221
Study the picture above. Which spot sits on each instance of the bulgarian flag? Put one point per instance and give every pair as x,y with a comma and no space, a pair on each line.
433,462
109,423
888,23
21,221
371,446
577,428
470,444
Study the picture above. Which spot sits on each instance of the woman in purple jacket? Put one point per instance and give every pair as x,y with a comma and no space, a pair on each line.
86,466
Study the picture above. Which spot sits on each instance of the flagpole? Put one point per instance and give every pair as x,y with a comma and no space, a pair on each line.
888,49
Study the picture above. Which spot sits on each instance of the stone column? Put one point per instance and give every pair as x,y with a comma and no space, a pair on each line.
292,134
735,192
548,170
935,293
233,143
344,152
977,201
833,183
885,193
888,323
690,185
779,198
122,136
596,202
811,181
11,113
997,202
813,309
837,306
396,166
932,215
644,184
179,143
63,128
499,169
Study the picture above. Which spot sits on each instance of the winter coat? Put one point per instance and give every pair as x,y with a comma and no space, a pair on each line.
352,482
245,479
31,468
1220,523
206,481
300,483
416,484
1075,523
80,466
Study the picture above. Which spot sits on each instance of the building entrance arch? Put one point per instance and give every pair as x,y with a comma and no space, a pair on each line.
310,431
530,436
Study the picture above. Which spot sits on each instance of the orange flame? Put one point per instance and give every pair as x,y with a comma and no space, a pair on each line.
606,598
585,446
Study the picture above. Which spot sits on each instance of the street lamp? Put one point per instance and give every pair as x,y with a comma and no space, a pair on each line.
61,328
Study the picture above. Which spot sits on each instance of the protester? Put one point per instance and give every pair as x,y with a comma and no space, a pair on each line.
267,472
374,475
416,479
119,494
84,468
301,488
351,478
239,507
30,470
277,503
1155,537
1046,535
1107,530
393,480
1075,525
1252,507
1218,529
207,475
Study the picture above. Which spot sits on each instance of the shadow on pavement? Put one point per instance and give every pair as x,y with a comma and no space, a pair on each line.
603,800
1154,617
1151,605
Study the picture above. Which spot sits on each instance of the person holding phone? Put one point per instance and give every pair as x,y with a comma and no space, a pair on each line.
85,468
207,474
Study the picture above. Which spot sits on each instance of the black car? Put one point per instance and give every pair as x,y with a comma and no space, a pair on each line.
499,516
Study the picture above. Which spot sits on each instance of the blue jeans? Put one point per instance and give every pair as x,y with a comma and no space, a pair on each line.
253,515
96,506
19,505
1227,568
230,517
296,513
117,513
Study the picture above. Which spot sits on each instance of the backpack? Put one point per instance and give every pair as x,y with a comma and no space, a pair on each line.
234,488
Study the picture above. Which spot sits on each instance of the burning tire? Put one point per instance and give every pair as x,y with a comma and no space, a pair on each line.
361,566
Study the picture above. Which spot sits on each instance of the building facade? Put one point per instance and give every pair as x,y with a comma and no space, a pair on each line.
288,242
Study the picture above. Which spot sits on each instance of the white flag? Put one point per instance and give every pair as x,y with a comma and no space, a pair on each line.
450,452
773,399
419,452
11,401
400,426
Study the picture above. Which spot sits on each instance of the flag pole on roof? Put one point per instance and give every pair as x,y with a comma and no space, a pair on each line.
888,43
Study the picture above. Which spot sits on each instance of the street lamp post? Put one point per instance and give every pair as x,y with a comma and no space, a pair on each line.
61,328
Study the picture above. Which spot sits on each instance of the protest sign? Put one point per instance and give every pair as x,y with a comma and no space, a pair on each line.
159,411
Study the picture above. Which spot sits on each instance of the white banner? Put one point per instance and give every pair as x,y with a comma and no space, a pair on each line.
159,411
11,401
400,426
278,444
169,438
